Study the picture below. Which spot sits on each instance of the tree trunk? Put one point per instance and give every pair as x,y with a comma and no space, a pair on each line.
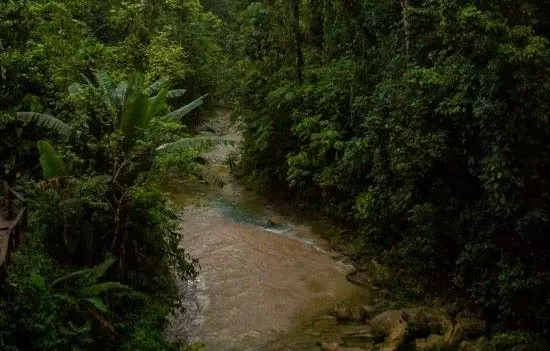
295,5
316,25
405,5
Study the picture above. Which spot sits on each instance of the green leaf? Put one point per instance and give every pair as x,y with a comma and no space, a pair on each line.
45,121
158,102
38,280
135,111
106,85
121,93
97,303
181,112
99,270
69,299
52,164
79,273
176,93
156,86
97,289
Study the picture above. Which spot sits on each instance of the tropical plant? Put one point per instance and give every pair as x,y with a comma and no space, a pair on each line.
81,291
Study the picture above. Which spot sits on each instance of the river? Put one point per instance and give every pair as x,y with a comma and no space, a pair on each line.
266,282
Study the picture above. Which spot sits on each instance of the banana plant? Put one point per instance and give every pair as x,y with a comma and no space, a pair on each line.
137,106
52,164
82,291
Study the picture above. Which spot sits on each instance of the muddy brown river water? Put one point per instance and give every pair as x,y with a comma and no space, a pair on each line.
264,281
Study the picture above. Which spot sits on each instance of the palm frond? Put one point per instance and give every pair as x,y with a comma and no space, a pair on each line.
106,85
97,303
52,164
96,289
46,121
182,111
99,270
120,93
157,103
176,93
136,106
80,273
156,86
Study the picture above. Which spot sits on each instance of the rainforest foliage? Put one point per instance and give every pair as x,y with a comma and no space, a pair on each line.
92,102
422,124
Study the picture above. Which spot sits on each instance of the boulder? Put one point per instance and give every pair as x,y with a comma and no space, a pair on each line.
333,346
325,323
368,311
425,321
359,277
454,336
357,314
343,314
387,323
433,342
358,337
392,325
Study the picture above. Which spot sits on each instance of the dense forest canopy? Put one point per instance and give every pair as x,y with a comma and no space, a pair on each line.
93,94
420,125
424,124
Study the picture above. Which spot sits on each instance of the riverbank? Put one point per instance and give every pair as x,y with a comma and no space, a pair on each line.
272,279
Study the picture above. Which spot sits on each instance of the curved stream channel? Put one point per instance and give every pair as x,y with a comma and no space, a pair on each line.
265,282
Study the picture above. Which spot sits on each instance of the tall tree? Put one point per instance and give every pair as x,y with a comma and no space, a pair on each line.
295,6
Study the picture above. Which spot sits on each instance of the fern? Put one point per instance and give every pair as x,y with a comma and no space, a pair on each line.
46,121
106,85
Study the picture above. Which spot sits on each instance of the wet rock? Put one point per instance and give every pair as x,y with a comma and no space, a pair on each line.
454,336
343,314
368,311
424,321
325,323
359,277
383,324
392,325
357,314
432,342
358,337
333,346
336,255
